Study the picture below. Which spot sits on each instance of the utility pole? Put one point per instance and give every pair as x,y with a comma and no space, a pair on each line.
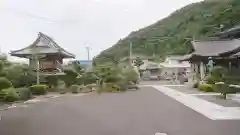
130,53
88,52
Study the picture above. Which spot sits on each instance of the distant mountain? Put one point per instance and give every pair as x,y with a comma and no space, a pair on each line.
173,34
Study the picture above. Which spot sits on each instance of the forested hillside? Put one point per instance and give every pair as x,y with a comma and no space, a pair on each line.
173,34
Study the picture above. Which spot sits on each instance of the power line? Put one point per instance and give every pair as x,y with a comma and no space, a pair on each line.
27,14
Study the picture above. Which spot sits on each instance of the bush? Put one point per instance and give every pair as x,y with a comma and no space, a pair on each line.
222,88
4,83
195,85
218,74
112,79
75,89
69,78
24,93
10,95
38,89
88,78
131,75
211,80
123,84
52,80
205,87
110,87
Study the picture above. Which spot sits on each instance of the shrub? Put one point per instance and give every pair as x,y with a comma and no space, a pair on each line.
24,93
52,80
88,78
210,80
110,87
218,74
4,83
123,84
75,89
38,89
131,75
112,79
234,88
10,95
69,78
195,85
205,87
223,88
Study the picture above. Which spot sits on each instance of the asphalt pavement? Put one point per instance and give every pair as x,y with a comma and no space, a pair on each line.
143,112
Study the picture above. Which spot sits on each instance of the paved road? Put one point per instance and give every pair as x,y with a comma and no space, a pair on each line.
142,112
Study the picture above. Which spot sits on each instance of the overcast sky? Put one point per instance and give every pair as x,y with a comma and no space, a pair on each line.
75,24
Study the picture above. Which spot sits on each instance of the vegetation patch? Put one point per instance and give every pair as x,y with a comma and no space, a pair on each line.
205,87
38,89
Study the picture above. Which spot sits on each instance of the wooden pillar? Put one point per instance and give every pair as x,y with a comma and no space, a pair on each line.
201,71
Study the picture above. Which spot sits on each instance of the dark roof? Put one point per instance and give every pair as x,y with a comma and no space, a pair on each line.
214,48
233,32
42,45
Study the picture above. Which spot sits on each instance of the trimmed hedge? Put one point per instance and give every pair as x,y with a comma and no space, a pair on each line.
4,83
39,89
9,95
75,89
110,87
205,87
24,93
224,89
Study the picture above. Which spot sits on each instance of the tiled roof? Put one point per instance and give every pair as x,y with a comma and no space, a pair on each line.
215,47
42,45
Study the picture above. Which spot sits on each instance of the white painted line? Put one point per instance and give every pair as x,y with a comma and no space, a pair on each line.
205,94
160,134
208,109
174,85
33,101
13,106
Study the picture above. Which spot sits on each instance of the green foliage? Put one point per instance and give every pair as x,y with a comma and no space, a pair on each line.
24,93
173,34
20,75
88,78
232,76
205,87
112,79
210,80
110,87
69,78
222,88
218,73
78,68
195,85
131,75
138,62
39,89
52,80
9,95
75,89
4,83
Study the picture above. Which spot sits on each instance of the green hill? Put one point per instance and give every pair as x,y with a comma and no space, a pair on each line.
173,34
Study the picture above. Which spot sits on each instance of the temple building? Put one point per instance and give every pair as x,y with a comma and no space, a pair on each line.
44,54
223,50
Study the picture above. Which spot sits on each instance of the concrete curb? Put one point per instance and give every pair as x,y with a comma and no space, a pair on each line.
33,101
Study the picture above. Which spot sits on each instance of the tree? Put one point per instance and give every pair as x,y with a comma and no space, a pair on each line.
138,62
52,80
70,77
